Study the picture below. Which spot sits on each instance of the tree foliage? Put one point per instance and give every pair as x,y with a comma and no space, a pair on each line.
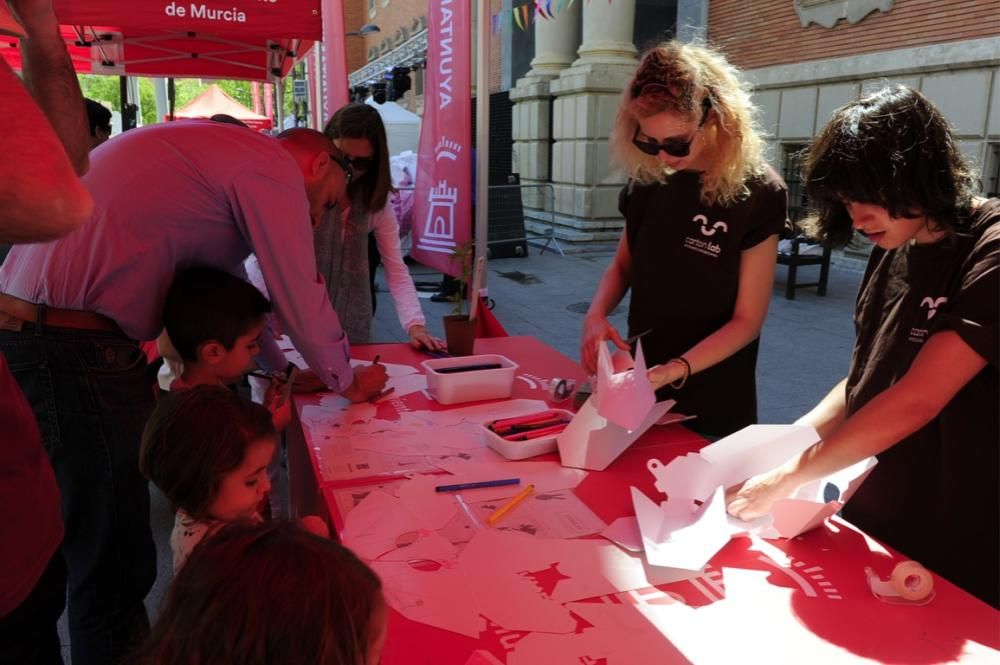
107,89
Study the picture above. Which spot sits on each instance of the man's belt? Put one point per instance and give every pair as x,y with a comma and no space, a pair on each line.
14,313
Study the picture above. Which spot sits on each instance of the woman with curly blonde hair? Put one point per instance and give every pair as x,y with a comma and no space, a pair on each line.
703,211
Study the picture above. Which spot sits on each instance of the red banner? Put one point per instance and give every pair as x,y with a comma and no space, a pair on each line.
271,19
442,204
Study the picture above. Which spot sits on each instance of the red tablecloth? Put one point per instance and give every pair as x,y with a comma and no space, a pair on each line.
804,600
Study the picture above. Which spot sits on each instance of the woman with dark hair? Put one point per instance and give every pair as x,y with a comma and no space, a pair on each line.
272,593
343,252
703,211
921,393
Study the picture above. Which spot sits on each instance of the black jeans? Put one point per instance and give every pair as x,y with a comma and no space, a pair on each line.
92,396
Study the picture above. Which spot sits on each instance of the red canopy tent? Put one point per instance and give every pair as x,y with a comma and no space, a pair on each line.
213,100
235,39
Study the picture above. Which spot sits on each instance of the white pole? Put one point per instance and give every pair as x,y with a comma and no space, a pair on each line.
482,130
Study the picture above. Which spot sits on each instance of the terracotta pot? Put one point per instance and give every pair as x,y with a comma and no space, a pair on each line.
460,333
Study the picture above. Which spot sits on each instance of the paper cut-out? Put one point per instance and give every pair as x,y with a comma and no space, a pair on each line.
623,398
593,442
692,525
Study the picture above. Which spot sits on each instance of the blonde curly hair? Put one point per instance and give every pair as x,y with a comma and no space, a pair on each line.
679,77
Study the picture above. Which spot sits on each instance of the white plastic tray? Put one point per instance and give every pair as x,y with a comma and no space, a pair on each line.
470,386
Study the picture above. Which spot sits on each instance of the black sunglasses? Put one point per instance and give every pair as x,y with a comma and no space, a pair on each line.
673,147
345,165
362,164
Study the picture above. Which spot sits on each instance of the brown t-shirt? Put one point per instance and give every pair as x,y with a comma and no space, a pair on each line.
933,495
685,279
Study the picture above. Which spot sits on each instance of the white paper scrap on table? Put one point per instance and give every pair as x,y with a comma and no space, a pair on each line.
555,514
680,534
624,531
381,527
407,438
624,398
546,476
439,596
430,508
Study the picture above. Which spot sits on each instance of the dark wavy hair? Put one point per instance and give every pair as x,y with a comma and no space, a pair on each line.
892,149
270,593
194,438
362,121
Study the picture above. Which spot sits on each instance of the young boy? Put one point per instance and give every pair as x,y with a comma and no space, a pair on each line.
213,320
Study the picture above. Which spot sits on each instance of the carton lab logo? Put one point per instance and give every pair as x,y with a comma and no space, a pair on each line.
707,230
932,305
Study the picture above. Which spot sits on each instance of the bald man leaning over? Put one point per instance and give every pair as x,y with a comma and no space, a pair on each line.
165,197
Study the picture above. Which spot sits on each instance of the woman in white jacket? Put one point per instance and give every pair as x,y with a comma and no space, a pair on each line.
342,253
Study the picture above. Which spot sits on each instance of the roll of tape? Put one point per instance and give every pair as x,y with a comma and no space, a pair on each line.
561,389
911,580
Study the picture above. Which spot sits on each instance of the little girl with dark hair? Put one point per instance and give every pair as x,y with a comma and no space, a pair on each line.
207,450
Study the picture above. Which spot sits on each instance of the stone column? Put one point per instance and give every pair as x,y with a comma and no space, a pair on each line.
586,101
556,41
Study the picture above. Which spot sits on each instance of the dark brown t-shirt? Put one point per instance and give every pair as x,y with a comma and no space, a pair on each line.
685,279
933,496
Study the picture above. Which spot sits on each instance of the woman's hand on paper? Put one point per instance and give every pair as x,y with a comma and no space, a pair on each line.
421,339
596,329
756,496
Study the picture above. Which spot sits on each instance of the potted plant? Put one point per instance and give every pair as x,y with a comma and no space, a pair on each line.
459,330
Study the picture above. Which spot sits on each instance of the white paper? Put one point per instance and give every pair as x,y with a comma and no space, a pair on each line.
624,532
441,597
680,534
391,369
592,442
556,514
382,528
623,398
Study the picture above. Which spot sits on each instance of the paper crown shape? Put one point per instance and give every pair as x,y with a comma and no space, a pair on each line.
624,398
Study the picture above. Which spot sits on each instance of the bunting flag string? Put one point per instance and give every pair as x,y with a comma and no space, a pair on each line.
529,12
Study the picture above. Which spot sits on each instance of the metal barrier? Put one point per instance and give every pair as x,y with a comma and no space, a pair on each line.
510,229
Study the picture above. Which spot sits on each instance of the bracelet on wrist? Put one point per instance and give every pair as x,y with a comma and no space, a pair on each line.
686,366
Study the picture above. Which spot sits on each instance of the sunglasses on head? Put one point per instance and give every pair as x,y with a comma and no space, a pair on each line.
674,147
345,165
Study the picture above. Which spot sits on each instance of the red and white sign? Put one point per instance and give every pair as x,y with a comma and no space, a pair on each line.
271,19
442,205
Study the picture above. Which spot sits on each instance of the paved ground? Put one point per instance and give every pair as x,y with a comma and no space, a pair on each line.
805,346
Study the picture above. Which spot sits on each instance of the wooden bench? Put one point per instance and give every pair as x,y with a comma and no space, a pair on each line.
793,259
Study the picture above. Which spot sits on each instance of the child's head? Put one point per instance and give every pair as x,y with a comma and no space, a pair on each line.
889,157
271,593
214,319
207,450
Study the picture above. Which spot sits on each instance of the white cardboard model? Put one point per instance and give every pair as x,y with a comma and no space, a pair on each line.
695,483
621,409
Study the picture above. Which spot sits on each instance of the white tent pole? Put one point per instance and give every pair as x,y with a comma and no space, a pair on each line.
482,129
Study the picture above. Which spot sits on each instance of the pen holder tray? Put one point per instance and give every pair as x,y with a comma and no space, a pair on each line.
515,450
448,384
